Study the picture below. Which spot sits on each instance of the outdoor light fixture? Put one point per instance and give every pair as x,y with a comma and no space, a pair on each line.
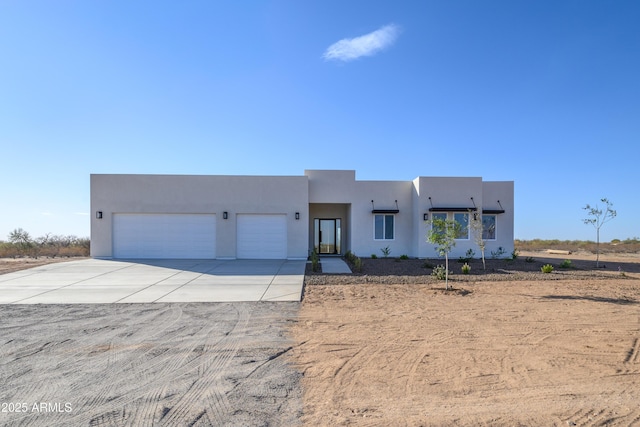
98,214
425,217
225,215
297,215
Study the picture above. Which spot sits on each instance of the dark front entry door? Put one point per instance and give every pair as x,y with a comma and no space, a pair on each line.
327,236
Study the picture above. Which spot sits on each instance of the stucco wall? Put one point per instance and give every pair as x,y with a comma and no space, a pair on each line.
456,192
327,186
319,193
201,194
503,191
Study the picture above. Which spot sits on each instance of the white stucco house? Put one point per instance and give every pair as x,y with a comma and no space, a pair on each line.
286,217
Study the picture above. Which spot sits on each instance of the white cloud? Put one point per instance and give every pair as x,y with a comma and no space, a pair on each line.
366,45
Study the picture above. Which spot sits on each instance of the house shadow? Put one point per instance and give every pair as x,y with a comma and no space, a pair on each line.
222,267
619,301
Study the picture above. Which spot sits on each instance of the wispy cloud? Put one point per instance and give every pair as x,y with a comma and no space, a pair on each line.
366,45
81,213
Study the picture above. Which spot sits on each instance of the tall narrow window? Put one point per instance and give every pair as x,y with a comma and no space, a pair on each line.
383,227
488,227
438,217
463,220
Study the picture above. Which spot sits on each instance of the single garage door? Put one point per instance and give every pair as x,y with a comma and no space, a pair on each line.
164,236
262,236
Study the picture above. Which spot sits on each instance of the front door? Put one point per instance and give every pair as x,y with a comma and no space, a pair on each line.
327,236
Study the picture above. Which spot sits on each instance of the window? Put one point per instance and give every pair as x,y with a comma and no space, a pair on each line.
383,227
488,227
442,216
438,217
462,219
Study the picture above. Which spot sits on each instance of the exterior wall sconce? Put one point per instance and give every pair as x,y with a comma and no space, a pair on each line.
297,215
98,214
425,217
225,215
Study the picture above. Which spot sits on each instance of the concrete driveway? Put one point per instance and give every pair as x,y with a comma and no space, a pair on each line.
145,281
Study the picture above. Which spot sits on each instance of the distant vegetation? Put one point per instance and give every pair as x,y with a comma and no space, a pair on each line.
631,245
21,244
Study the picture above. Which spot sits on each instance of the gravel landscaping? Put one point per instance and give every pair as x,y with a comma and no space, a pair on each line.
527,266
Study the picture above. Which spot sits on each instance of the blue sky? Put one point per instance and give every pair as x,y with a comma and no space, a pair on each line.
544,93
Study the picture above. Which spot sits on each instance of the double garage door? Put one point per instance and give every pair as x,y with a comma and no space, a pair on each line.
194,236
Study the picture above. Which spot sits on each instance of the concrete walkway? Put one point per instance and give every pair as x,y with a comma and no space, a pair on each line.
334,265
145,281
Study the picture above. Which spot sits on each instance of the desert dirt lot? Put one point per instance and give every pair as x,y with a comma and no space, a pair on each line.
561,350
201,364
387,346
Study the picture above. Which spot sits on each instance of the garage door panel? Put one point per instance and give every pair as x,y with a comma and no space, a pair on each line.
164,236
262,236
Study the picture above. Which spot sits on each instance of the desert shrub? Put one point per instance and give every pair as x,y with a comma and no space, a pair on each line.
355,261
566,264
44,246
514,254
466,268
439,272
547,268
350,256
357,264
427,264
385,252
374,256
315,260
467,257
8,250
629,245
404,256
498,253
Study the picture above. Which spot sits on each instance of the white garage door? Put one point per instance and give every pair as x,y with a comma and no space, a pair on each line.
262,236
164,236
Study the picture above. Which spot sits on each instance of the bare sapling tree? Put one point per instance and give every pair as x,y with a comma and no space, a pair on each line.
477,231
443,233
599,217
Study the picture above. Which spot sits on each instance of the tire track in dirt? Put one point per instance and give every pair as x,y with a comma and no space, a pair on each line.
508,353
208,347
158,365
109,351
620,416
634,353
208,386
33,391
137,370
97,347
174,368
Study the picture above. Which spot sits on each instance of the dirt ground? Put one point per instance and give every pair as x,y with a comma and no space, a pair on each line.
147,365
528,352
386,346
8,265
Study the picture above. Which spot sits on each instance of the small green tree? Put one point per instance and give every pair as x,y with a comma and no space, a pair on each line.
599,217
443,234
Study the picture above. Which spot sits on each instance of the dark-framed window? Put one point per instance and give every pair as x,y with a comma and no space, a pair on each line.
489,227
384,227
